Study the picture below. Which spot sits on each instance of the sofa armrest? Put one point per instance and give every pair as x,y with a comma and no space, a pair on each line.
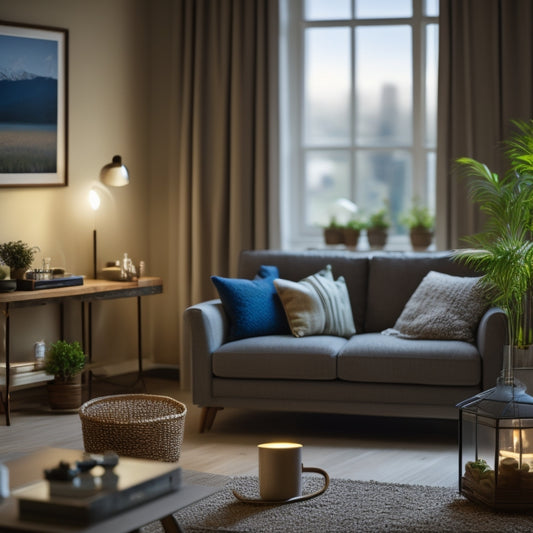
205,328
491,338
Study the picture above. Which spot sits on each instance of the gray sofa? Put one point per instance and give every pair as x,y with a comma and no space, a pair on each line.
367,374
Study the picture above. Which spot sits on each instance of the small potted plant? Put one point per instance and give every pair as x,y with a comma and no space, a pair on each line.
352,232
377,228
420,221
334,233
18,256
65,361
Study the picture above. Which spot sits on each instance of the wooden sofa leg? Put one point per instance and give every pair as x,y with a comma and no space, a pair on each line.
208,417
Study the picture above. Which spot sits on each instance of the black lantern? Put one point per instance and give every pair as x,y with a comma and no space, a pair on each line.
496,447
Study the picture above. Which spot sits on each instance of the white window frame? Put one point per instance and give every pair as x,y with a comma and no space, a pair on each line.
292,233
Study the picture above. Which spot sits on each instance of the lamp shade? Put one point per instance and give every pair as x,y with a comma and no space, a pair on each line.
115,174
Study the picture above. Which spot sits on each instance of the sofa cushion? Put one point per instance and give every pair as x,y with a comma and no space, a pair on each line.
279,357
317,305
253,305
296,265
442,307
376,358
394,276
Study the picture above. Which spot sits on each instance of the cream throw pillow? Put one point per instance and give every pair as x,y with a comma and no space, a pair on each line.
442,307
317,305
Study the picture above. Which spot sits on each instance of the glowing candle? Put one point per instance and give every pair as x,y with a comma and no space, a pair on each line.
280,470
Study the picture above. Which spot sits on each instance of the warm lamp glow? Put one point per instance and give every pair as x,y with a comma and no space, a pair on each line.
94,199
279,445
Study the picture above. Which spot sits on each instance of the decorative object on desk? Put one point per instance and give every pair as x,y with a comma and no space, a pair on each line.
18,256
115,174
128,271
420,222
39,353
145,426
112,271
53,283
280,475
65,361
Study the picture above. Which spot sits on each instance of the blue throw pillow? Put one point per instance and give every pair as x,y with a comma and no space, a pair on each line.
253,305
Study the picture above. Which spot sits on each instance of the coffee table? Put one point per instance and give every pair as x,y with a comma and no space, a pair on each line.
29,469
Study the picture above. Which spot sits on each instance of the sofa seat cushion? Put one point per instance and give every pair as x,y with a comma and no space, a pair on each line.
279,357
376,358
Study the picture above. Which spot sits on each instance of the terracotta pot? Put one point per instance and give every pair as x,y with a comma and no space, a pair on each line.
420,238
351,237
65,394
333,235
377,237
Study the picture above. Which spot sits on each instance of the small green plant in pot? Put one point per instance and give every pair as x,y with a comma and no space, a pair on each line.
334,232
377,228
65,361
352,232
420,222
18,256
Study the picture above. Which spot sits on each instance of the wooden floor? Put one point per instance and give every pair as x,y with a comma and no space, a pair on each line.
390,450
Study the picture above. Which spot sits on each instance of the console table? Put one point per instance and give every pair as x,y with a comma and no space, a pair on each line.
91,290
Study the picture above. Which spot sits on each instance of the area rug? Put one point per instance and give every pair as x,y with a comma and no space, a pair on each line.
348,506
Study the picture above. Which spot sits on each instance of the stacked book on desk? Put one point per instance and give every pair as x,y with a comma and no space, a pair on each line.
52,283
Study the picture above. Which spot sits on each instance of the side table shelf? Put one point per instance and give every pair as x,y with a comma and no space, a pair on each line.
22,379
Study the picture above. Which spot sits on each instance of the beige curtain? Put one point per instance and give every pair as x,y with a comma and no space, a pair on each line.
218,155
485,81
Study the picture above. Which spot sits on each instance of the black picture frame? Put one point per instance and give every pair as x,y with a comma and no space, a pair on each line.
33,105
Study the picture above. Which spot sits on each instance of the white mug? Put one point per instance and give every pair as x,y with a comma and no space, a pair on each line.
280,470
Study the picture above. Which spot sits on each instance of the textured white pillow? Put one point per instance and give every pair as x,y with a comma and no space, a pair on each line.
317,305
442,307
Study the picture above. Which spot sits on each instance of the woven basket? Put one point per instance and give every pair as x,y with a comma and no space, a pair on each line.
146,426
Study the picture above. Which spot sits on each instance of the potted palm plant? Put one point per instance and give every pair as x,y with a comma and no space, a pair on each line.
503,251
377,228
65,361
420,221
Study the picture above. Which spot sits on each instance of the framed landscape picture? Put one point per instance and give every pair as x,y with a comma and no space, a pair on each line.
33,105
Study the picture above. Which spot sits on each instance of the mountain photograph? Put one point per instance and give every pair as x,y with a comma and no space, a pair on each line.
28,105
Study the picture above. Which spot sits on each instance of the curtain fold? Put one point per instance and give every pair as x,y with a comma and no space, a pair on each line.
218,184
485,81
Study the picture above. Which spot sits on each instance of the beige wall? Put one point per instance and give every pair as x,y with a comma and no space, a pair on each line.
109,70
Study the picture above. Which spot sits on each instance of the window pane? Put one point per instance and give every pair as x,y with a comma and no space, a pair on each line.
326,180
327,86
373,9
328,9
432,60
384,103
431,183
383,176
431,8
